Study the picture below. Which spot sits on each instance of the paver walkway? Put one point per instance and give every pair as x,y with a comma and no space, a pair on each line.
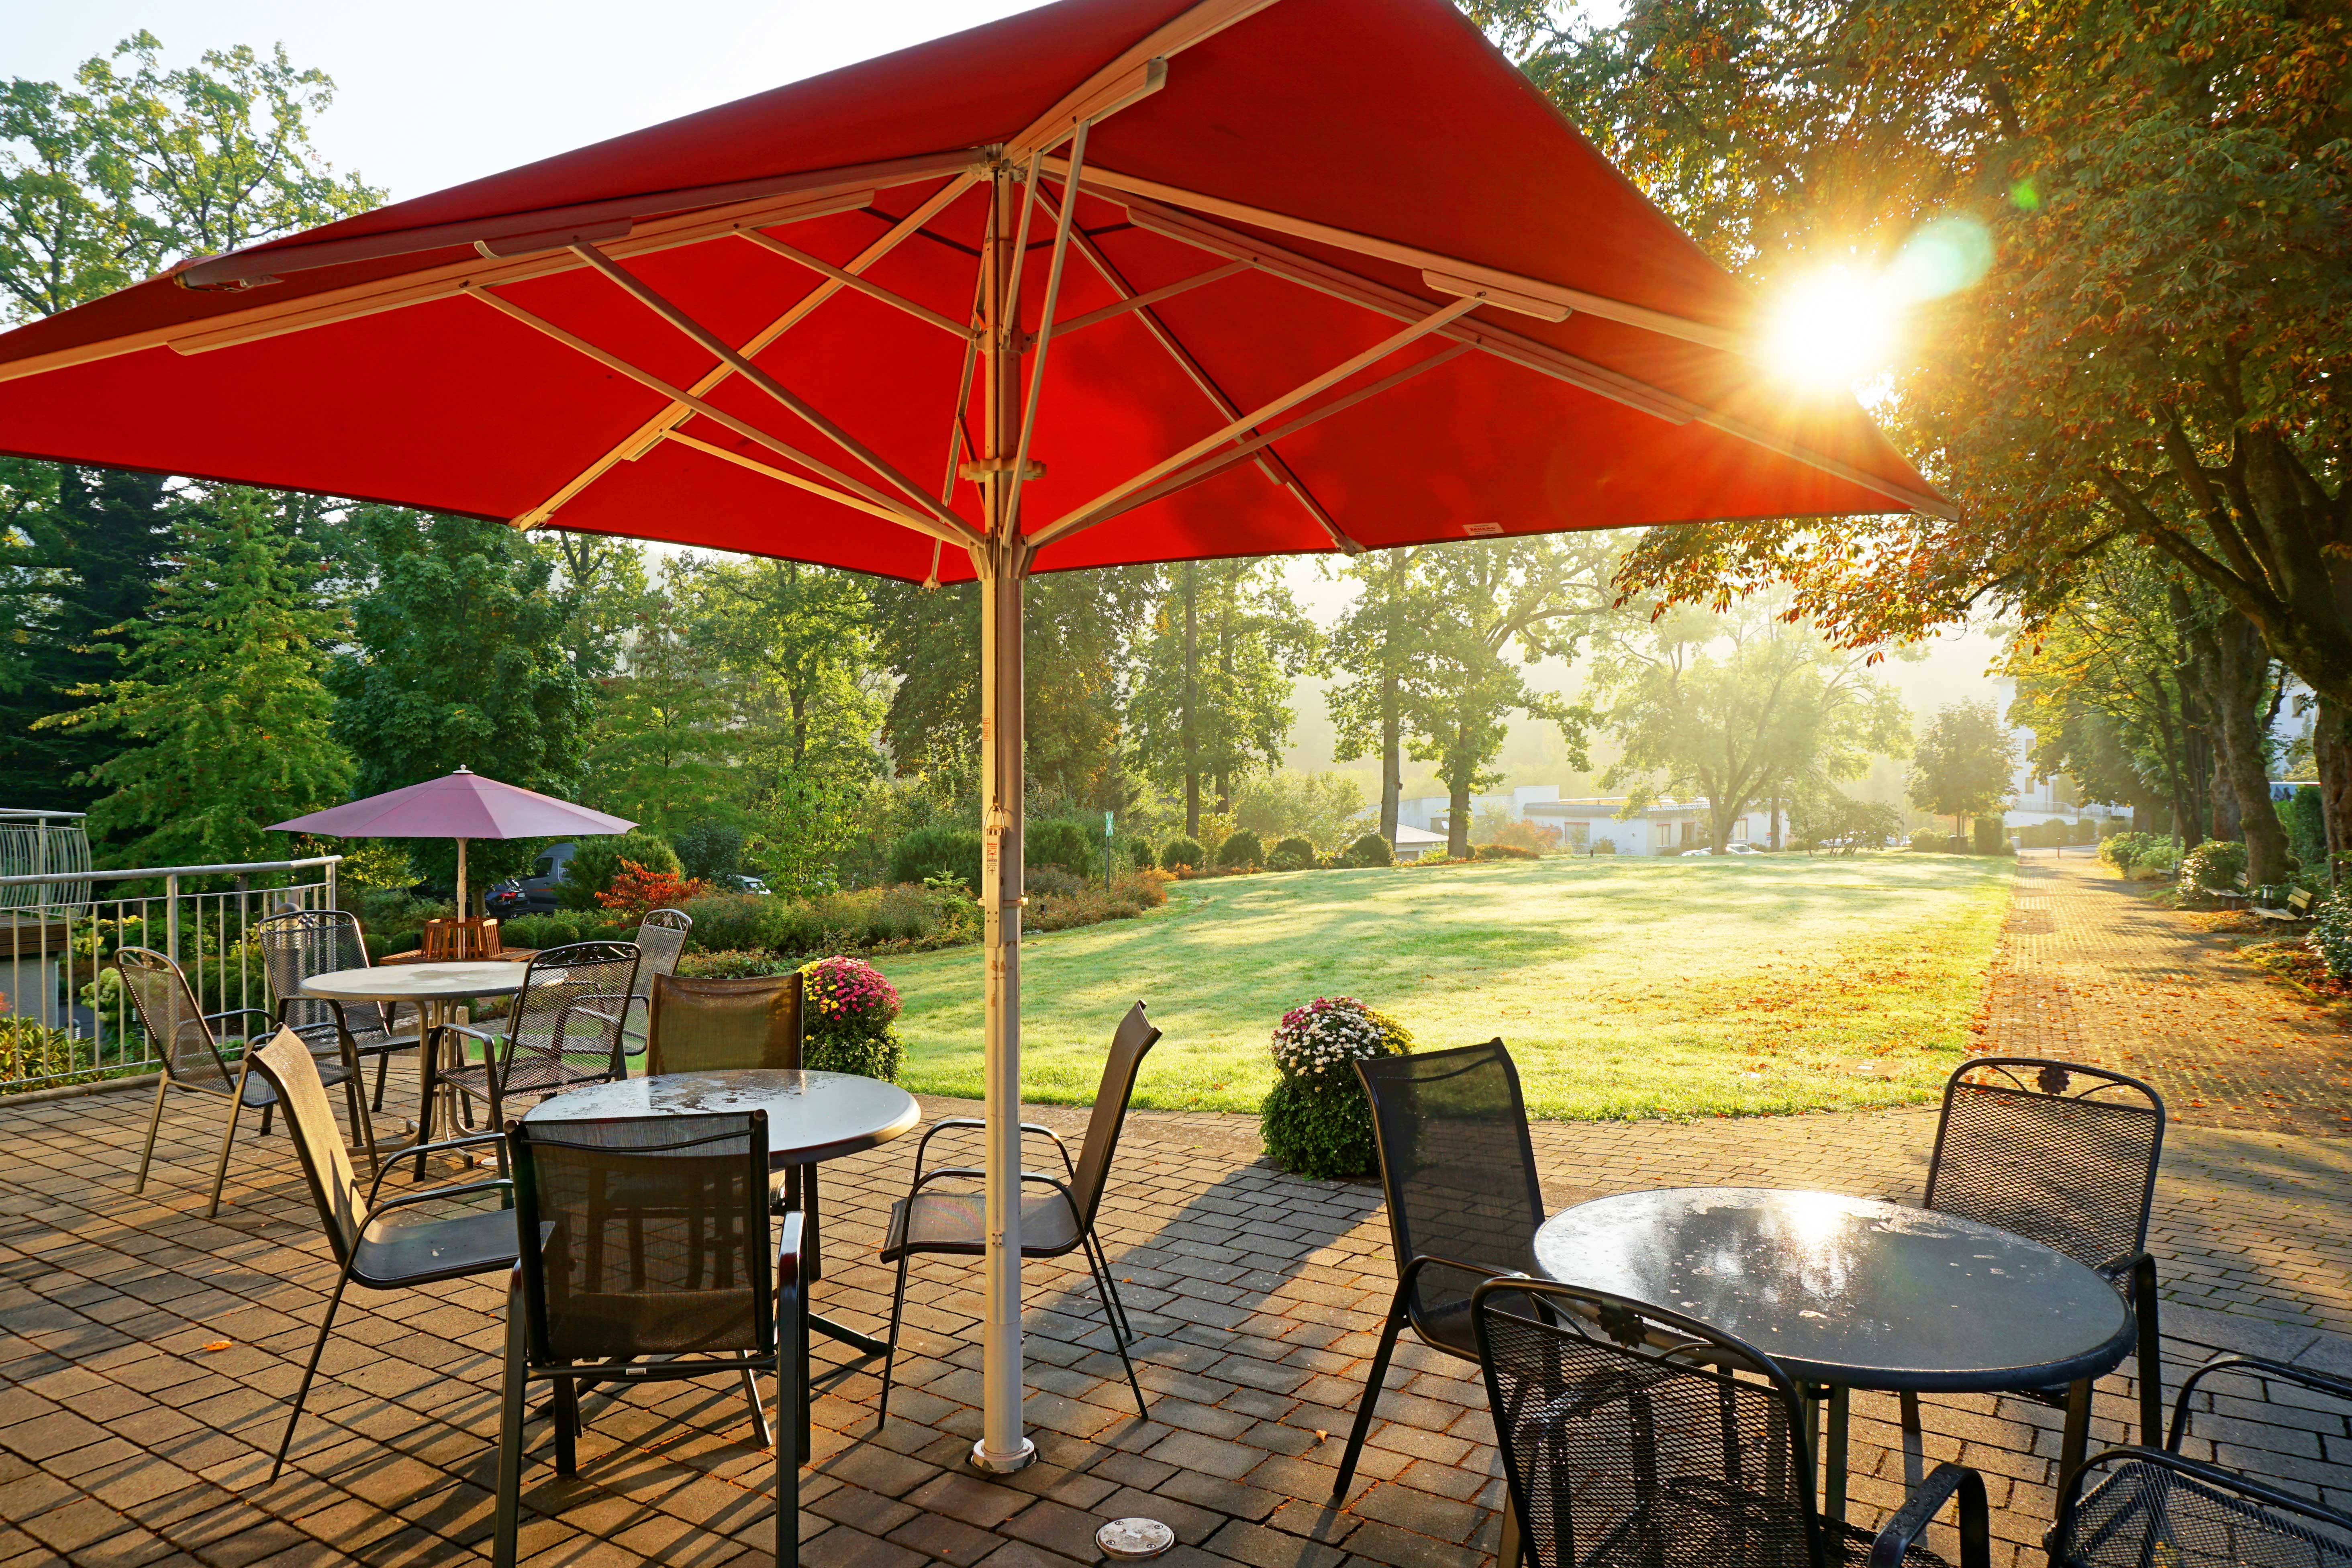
2092,970
144,1352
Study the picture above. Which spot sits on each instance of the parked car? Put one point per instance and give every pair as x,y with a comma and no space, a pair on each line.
533,894
752,885
1741,849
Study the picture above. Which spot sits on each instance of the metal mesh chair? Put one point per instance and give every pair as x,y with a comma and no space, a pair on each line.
717,1025
655,1243
2135,1506
1458,1174
301,944
661,938
1635,1437
563,1029
369,1252
1058,1216
2065,1155
180,1035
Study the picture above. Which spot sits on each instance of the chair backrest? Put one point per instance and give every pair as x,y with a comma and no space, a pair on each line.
2137,1509
176,1030
709,1026
1134,1038
657,1236
1633,1434
572,1001
2061,1154
661,937
301,944
1457,1167
293,1073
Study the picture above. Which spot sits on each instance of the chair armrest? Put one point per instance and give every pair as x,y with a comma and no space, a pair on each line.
789,1261
240,1013
1919,1510
2317,1382
467,1141
410,1200
487,1037
945,1123
2071,1496
976,1172
1415,1264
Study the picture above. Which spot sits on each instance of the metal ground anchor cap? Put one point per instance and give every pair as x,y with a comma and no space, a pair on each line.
1134,1539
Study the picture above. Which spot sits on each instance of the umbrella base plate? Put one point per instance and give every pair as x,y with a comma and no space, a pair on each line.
989,1464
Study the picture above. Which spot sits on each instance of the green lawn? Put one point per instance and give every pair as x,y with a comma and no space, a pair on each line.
1631,988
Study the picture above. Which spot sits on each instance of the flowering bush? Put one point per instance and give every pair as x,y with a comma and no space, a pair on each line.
2331,936
1316,1121
848,1011
636,889
2214,866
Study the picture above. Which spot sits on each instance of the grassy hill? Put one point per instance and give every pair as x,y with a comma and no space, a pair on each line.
1626,988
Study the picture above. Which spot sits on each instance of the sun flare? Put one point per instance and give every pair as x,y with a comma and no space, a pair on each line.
1833,328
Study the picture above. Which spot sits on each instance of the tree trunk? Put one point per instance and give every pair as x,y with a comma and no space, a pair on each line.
1457,820
1189,577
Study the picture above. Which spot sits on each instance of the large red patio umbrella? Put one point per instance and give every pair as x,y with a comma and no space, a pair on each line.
1111,280
460,806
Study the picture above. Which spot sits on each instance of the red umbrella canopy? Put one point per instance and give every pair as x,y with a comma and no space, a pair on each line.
462,805
1388,296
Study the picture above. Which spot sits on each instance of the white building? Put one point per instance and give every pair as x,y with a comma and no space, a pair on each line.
1668,828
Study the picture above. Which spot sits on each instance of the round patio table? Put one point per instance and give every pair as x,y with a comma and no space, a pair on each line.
435,989
1847,1293
811,1117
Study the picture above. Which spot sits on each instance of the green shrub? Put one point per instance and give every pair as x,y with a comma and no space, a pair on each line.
733,922
1604,846
31,1049
1504,852
538,932
596,861
2160,861
1315,1120
1926,841
1371,849
2214,866
710,850
1244,848
938,851
1992,835
2331,936
1058,841
1093,904
1182,855
847,1010
2306,826
1293,854
730,965
1140,856
2123,850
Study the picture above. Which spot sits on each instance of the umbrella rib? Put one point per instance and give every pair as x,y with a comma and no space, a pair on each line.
850,280
1138,302
710,341
1271,463
742,428
1045,331
642,438
1091,512
1216,463
799,481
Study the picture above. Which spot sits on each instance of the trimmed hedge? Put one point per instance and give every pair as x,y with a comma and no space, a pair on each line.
1371,849
1182,854
1293,854
1244,848
929,852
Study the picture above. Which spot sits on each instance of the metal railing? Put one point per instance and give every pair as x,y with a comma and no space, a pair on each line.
65,1016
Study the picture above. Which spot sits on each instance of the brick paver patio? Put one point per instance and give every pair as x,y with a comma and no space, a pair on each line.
145,1353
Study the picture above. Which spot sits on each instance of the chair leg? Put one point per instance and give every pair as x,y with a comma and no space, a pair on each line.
792,1419
354,1094
1102,1289
228,1134
510,1418
812,1247
382,1066
1122,1327
428,1080
302,1390
269,1112
1363,1429
890,1356
2151,1354
767,1435
567,1427
154,1125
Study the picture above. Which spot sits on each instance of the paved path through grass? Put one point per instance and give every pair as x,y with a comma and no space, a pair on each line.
1631,987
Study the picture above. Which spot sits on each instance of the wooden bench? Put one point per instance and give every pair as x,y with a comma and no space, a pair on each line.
2243,896
2298,907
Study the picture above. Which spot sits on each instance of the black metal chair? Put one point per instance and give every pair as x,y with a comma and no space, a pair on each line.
2138,1507
1634,1438
299,943
1458,1172
2065,1155
370,1251
1058,1216
717,1025
661,939
656,1263
562,1029
180,1035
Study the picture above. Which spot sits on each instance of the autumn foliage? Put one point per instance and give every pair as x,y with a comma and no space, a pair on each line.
636,889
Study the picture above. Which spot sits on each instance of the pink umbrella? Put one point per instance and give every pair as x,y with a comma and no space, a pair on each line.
462,805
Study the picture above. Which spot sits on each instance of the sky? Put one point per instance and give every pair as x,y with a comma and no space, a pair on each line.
453,90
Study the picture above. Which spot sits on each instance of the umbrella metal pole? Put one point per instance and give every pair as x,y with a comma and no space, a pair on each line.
1001,564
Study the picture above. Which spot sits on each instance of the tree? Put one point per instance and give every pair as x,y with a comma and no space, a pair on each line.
1376,642
2122,223
601,585
794,643
658,749
1211,698
1323,808
457,663
1745,708
224,697
1962,765
1492,608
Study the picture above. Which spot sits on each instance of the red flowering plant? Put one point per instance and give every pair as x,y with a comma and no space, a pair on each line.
635,890
847,1010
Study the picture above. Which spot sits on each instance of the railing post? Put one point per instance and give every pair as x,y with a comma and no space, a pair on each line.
171,917
334,864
